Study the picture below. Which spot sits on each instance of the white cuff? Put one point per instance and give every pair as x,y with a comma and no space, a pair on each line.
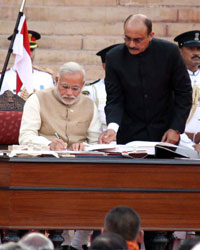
113,126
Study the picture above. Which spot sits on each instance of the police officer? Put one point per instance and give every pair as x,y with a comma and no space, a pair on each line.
189,44
96,90
42,78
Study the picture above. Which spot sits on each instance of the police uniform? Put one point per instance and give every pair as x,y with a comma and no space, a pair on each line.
191,39
42,78
193,124
96,90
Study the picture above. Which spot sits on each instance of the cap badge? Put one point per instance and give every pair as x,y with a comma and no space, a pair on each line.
196,38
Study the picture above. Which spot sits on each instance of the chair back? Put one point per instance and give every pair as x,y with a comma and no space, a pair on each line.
11,109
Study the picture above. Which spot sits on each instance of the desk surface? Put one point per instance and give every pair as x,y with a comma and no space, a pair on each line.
105,159
76,193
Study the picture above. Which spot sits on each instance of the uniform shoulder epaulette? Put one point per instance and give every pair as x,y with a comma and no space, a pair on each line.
47,70
85,92
93,82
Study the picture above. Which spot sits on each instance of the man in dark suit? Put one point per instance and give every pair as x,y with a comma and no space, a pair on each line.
149,92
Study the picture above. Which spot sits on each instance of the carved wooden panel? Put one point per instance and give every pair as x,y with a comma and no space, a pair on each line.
10,101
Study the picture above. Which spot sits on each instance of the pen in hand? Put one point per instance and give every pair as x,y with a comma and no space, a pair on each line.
57,135
58,144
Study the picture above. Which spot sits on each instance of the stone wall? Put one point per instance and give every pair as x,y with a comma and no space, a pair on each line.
74,30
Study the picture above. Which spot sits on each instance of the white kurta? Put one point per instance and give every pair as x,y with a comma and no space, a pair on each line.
97,93
193,126
41,80
31,123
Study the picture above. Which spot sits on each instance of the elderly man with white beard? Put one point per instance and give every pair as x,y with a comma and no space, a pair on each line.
64,112
61,117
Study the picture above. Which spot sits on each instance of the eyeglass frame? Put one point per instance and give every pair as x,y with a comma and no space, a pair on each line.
135,40
64,85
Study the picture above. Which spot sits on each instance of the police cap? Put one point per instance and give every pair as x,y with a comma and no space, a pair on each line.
102,53
33,36
188,39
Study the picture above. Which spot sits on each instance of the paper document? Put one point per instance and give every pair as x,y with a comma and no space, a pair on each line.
147,146
150,147
109,148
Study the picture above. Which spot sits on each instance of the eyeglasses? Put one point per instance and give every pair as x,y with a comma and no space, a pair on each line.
66,86
127,39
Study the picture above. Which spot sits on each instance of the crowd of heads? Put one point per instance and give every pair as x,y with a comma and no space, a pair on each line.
121,225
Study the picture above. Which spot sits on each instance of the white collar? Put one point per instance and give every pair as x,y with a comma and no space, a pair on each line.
191,73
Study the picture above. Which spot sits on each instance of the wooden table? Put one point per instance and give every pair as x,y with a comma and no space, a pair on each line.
76,193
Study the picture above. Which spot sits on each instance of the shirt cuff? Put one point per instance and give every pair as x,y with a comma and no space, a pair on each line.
40,140
113,126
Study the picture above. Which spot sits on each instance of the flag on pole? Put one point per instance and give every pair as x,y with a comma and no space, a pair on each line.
23,63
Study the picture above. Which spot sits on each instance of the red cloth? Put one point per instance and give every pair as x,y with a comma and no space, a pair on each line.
132,245
9,126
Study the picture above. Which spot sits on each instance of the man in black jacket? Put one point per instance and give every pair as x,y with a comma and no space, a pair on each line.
149,92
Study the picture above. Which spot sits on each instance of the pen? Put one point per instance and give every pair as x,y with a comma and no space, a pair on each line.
57,135
63,144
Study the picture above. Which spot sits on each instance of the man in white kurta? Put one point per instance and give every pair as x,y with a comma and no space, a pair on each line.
44,115
62,112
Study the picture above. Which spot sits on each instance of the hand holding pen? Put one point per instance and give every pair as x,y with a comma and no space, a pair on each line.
58,144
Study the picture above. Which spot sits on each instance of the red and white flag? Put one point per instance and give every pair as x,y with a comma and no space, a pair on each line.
23,63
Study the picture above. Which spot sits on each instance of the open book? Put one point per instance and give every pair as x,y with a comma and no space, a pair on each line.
154,149
134,146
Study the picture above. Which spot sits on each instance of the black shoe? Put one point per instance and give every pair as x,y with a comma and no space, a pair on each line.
65,247
72,248
85,247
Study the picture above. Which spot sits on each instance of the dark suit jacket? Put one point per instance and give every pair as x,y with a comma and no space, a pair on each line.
147,93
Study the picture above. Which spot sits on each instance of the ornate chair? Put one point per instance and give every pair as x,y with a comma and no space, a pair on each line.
11,108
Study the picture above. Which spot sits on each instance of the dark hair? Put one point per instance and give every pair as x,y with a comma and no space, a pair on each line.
123,220
146,21
108,241
189,243
127,19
